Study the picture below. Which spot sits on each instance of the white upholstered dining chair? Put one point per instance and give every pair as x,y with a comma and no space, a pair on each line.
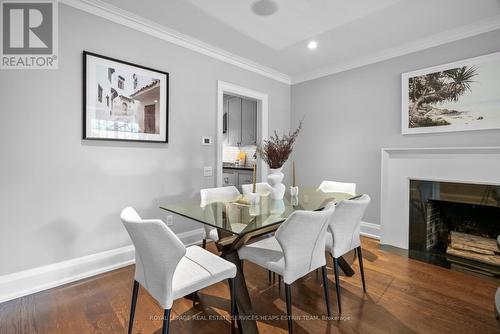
213,195
338,187
261,188
295,250
343,235
167,269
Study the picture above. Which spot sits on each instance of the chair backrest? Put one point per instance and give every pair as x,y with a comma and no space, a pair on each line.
338,187
302,239
261,188
214,195
221,194
157,253
345,224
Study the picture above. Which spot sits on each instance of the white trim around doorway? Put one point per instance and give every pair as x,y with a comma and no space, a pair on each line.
262,121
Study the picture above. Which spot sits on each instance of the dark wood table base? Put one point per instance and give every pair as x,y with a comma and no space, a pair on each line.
246,323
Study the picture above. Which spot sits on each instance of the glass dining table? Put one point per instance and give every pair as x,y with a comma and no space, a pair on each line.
237,222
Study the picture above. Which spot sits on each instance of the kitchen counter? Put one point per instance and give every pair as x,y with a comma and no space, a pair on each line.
238,168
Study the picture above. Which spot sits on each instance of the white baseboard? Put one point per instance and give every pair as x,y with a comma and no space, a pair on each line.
29,281
34,280
193,237
370,230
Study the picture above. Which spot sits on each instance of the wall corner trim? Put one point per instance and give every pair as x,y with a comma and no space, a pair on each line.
133,21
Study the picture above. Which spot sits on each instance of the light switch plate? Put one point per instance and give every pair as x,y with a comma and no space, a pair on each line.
207,141
207,171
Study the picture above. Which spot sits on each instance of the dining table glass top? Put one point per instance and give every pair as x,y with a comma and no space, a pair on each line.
240,217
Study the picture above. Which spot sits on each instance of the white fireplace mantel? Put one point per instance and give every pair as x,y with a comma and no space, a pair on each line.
454,164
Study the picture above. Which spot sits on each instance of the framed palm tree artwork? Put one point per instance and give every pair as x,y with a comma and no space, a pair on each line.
460,96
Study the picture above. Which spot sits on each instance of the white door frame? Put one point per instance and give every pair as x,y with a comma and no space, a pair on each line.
262,120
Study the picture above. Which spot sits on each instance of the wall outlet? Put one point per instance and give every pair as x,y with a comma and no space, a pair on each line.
170,220
207,171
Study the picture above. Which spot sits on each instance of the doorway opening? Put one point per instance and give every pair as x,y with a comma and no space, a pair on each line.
242,123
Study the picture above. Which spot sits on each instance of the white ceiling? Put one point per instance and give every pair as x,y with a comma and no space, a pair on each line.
294,22
348,31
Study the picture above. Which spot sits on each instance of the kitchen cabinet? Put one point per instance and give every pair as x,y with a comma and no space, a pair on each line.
229,177
234,122
241,119
236,177
245,177
248,122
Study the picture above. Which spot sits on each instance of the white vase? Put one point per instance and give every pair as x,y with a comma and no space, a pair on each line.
276,207
274,179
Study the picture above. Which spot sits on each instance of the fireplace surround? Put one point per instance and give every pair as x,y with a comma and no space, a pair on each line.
468,165
455,225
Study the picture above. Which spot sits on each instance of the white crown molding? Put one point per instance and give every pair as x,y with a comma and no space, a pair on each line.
470,30
130,20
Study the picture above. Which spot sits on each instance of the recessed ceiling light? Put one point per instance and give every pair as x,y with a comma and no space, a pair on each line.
264,7
312,45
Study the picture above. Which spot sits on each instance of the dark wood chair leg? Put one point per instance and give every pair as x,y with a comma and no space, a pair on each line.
269,276
279,284
194,296
289,307
327,294
166,321
135,292
337,282
232,288
360,258
204,243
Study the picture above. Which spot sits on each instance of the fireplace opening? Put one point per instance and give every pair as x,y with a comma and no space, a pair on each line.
455,225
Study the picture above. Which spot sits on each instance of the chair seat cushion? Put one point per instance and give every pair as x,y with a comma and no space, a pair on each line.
198,269
266,253
353,243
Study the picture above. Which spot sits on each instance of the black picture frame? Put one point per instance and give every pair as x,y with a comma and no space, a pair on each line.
164,107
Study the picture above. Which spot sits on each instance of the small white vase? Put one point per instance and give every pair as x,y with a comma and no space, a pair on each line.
274,179
277,207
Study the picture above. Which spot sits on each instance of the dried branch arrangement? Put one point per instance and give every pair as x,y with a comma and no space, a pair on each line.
275,151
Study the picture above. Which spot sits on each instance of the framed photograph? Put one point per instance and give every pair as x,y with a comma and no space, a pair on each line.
460,96
123,101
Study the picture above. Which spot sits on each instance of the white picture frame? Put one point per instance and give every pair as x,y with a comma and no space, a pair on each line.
478,108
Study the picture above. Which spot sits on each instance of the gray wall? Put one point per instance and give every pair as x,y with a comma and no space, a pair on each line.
60,197
351,115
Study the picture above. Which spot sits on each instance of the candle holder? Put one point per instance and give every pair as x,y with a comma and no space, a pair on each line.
254,198
254,210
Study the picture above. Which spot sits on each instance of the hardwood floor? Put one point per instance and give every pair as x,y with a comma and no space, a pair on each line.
404,296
